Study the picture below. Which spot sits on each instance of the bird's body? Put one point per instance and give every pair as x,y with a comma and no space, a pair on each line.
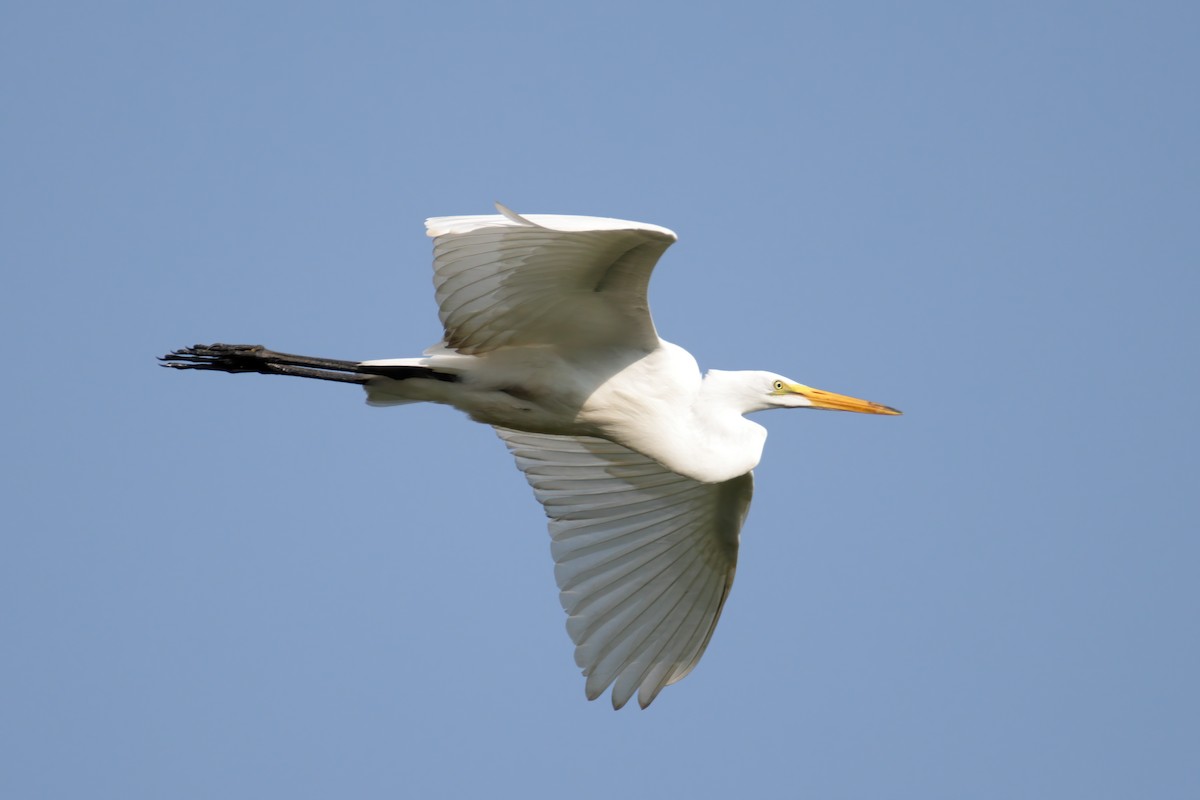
642,464
654,402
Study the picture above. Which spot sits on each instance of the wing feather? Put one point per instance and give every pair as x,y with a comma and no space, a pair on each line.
648,673
507,280
637,630
644,557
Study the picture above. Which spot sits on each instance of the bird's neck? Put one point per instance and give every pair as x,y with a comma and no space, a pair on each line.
721,444
690,425
696,444
708,440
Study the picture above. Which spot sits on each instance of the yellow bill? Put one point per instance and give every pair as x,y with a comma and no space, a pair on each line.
840,402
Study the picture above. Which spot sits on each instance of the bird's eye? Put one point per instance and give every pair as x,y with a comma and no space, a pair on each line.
777,386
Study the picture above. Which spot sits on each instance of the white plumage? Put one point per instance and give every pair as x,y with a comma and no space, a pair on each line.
643,466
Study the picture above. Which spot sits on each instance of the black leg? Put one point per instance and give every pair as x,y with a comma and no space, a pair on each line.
256,358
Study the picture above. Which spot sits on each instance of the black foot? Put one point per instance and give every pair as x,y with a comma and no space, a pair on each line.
221,357
256,358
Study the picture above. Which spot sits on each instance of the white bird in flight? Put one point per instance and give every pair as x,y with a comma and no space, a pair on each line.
642,464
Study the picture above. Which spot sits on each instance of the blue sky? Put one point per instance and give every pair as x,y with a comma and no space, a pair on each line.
234,586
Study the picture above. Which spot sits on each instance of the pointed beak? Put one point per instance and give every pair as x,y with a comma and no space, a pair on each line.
840,402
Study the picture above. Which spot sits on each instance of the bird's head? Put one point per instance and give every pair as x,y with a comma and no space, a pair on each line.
759,391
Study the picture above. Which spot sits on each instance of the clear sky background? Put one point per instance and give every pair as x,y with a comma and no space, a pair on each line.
986,214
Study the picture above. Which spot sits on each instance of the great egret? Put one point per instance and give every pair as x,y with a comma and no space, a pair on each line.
642,465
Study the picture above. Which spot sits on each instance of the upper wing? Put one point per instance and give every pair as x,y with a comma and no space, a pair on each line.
544,279
644,558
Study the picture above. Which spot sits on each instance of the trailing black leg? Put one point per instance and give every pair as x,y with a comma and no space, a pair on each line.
256,358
